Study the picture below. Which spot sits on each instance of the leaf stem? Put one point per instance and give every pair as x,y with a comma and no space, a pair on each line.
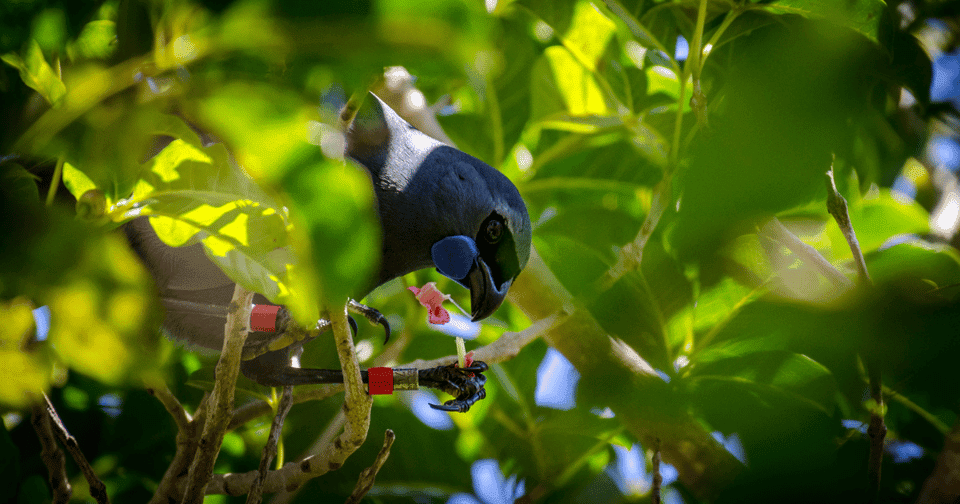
914,407
55,181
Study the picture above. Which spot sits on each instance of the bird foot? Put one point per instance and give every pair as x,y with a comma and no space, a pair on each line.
465,384
371,314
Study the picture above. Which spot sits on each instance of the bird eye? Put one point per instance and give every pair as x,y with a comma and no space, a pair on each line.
493,231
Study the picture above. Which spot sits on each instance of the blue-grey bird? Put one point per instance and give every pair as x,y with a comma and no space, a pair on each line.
438,207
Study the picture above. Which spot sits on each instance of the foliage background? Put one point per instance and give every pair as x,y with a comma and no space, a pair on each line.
743,359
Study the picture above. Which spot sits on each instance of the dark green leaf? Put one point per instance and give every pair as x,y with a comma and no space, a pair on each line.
861,15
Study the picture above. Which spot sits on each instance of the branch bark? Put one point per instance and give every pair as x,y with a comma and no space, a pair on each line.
97,489
52,455
270,449
943,485
228,367
369,475
356,409
877,431
625,382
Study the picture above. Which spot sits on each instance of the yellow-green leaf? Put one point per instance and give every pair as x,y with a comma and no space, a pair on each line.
37,73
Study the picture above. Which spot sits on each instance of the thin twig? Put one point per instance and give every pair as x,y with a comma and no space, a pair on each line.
503,349
776,231
270,449
877,431
170,488
631,255
254,409
657,477
52,456
97,489
172,405
228,367
369,475
837,206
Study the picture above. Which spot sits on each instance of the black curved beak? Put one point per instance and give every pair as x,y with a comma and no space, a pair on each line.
485,297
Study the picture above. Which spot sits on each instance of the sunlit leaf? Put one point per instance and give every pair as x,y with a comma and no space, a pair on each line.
265,127
98,40
24,369
37,73
588,35
335,203
100,315
192,195
76,181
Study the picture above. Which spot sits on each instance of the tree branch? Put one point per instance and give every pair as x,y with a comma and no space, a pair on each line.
877,431
837,206
369,475
657,477
97,489
506,347
776,231
51,455
943,485
172,405
356,410
631,255
270,449
625,382
228,367
254,409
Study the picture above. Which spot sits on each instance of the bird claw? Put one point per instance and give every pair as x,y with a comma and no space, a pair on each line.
372,315
465,384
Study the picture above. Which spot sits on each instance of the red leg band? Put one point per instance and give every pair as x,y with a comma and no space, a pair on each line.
380,380
263,318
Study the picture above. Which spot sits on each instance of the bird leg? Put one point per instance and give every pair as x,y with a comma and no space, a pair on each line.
268,360
465,384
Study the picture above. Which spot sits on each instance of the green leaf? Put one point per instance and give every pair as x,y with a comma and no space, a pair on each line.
192,195
769,151
927,268
630,311
98,40
20,183
76,181
101,313
588,35
335,204
264,126
26,373
576,265
713,309
561,84
861,15
37,73
774,371
493,127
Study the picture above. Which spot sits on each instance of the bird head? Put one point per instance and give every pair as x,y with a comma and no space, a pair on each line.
440,207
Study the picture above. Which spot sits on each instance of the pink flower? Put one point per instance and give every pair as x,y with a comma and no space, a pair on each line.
432,299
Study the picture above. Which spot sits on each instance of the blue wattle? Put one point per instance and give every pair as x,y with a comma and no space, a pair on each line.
454,256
